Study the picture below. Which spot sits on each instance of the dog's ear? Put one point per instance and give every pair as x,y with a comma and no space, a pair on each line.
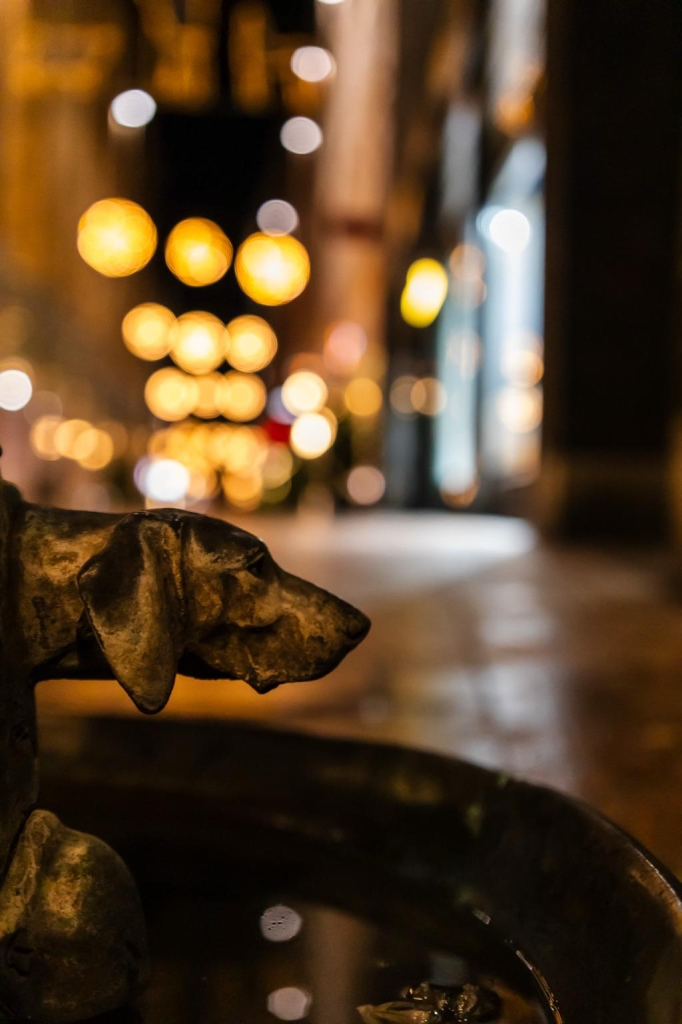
132,592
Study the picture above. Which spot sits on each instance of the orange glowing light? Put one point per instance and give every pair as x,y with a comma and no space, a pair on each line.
198,252
198,341
242,396
170,394
244,492
363,397
272,270
116,237
252,343
146,330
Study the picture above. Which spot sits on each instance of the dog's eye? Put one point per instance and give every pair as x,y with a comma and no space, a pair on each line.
259,567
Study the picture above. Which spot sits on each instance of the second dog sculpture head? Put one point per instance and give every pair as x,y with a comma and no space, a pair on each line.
155,593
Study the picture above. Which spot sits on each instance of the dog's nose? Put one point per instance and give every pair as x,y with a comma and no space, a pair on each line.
357,625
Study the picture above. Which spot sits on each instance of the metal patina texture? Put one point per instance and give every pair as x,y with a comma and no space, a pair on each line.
136,598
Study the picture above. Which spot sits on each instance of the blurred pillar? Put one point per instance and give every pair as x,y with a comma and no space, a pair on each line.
612,227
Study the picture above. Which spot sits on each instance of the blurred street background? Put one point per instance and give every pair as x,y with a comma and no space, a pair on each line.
391,283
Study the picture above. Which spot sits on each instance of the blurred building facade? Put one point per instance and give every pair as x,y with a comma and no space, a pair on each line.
333,287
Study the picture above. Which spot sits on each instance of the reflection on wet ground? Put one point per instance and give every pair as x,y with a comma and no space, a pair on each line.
559,665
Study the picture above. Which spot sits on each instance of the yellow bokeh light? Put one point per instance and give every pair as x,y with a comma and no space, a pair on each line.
272,270
242,396
66,436
198,252
245,449
93,449
426,286
198,341
278,466
208,400
42,437
312,434
170,394
116,237
303,391
243,491
252,343
146,330
363,397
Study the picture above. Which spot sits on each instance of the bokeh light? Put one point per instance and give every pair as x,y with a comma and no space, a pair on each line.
252,343
198,252
304,391
312,63
400,394
93,448
428,396
301,135
67,434
365,485
116,237
170,394
244,491
467,262
270,270
277,410
277,217
289,1003
520,409
133,108
146,330
510,230
363,397
198,341
209,387
242,396
41,437
344,346
163,480
426,286
523,367
278,466
15,389
312,434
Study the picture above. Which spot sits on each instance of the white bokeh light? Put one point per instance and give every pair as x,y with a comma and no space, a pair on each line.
312,63
510,230
164,480
277,217
280,923
301,135
15,390
289,1003
133,108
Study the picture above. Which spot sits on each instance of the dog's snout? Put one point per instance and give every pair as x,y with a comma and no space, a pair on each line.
357,625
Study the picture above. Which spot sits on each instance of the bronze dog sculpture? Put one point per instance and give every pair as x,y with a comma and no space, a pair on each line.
138,598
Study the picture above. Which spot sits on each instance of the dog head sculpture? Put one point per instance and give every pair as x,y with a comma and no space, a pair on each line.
174,591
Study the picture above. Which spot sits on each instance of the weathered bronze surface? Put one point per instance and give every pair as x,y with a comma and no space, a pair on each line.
137,598
458,855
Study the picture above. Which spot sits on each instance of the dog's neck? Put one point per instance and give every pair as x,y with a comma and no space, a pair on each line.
52,546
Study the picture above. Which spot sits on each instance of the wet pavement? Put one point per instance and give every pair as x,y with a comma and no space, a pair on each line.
560,665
